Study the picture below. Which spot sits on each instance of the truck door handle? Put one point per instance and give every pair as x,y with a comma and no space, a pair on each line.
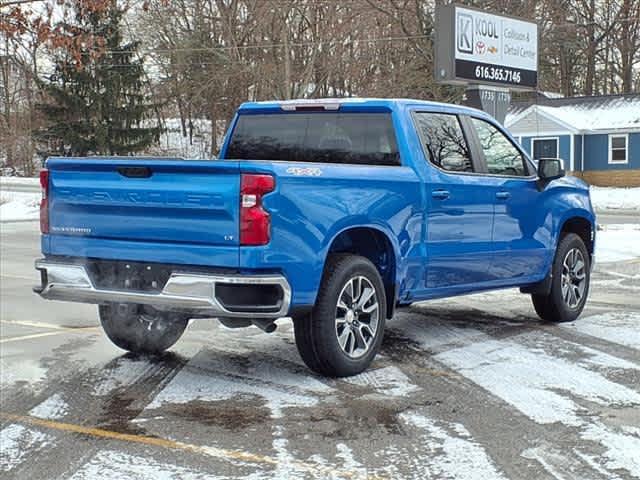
440,194
503,195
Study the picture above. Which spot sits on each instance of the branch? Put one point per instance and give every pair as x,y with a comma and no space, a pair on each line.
18,2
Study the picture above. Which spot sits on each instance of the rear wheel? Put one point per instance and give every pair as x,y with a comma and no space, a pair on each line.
141,329
344,331
570,282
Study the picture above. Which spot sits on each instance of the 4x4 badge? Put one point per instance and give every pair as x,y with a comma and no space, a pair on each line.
305,172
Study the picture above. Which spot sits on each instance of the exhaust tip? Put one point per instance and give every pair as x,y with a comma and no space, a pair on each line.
267,326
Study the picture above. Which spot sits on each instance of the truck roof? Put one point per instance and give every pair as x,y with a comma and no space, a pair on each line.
355,103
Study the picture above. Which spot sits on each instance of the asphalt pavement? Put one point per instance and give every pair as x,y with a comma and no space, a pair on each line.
474,387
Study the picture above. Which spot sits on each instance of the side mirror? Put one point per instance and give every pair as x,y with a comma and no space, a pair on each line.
550,169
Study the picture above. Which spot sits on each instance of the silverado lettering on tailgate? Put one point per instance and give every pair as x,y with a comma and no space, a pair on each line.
142,198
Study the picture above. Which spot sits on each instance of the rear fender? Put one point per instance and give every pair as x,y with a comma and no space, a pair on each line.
358,223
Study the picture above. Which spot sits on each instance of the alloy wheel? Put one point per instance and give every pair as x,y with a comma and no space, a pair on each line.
574,278
357,316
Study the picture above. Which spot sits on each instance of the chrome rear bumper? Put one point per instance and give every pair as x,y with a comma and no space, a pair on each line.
189,292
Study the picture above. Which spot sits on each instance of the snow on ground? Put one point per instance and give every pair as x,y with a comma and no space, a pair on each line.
387,380
17,443
53,408
547,388
534,382
13,371
440,333
19,206
611,198
172,143
208,378
614,327
618,243
444,450
621,447
112,465
123,371
6,182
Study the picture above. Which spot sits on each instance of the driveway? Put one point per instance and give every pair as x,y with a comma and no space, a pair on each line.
474,387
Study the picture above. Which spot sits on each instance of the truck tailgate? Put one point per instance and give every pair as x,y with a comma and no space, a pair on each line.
145,200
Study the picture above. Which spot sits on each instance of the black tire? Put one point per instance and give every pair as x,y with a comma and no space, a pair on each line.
141,329
554,306
317,333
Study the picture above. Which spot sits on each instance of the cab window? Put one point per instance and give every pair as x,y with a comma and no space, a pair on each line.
444,142
501,156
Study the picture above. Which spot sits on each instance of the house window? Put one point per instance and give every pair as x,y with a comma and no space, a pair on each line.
618,145
545,148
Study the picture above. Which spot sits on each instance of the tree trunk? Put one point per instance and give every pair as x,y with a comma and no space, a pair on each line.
590,50
287,63
627,45
214,136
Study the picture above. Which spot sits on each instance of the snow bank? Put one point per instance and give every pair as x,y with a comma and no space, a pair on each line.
19,206
611,198
618,243
7,182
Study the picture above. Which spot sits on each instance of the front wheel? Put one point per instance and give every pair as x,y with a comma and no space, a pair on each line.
141,329
571,273
344,331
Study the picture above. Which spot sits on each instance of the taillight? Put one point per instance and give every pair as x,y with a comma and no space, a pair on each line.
44,203
255,221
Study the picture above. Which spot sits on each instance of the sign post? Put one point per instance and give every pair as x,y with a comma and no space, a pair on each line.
483,49
493,100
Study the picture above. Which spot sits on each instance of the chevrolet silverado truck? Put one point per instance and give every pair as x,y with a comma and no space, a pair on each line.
333,212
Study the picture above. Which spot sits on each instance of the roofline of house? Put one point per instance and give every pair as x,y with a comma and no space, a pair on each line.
570,129
548,116
604,131
564,101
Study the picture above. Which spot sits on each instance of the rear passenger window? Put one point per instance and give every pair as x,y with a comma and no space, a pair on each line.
442,138
354,138
502,157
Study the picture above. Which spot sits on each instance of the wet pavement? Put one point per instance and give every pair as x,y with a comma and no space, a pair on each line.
469,388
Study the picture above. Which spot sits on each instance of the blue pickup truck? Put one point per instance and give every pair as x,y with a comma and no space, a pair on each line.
333,212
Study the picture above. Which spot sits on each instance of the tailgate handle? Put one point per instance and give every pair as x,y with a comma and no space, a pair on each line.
135,172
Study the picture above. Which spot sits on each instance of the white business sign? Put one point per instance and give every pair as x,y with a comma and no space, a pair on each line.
488,48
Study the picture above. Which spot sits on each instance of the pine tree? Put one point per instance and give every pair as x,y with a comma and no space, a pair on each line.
95,99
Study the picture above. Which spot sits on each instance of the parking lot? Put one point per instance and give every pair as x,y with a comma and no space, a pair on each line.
473,387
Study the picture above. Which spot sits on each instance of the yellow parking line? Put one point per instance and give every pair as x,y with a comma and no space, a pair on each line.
58,330
27,323
33,279
220,453
29,337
